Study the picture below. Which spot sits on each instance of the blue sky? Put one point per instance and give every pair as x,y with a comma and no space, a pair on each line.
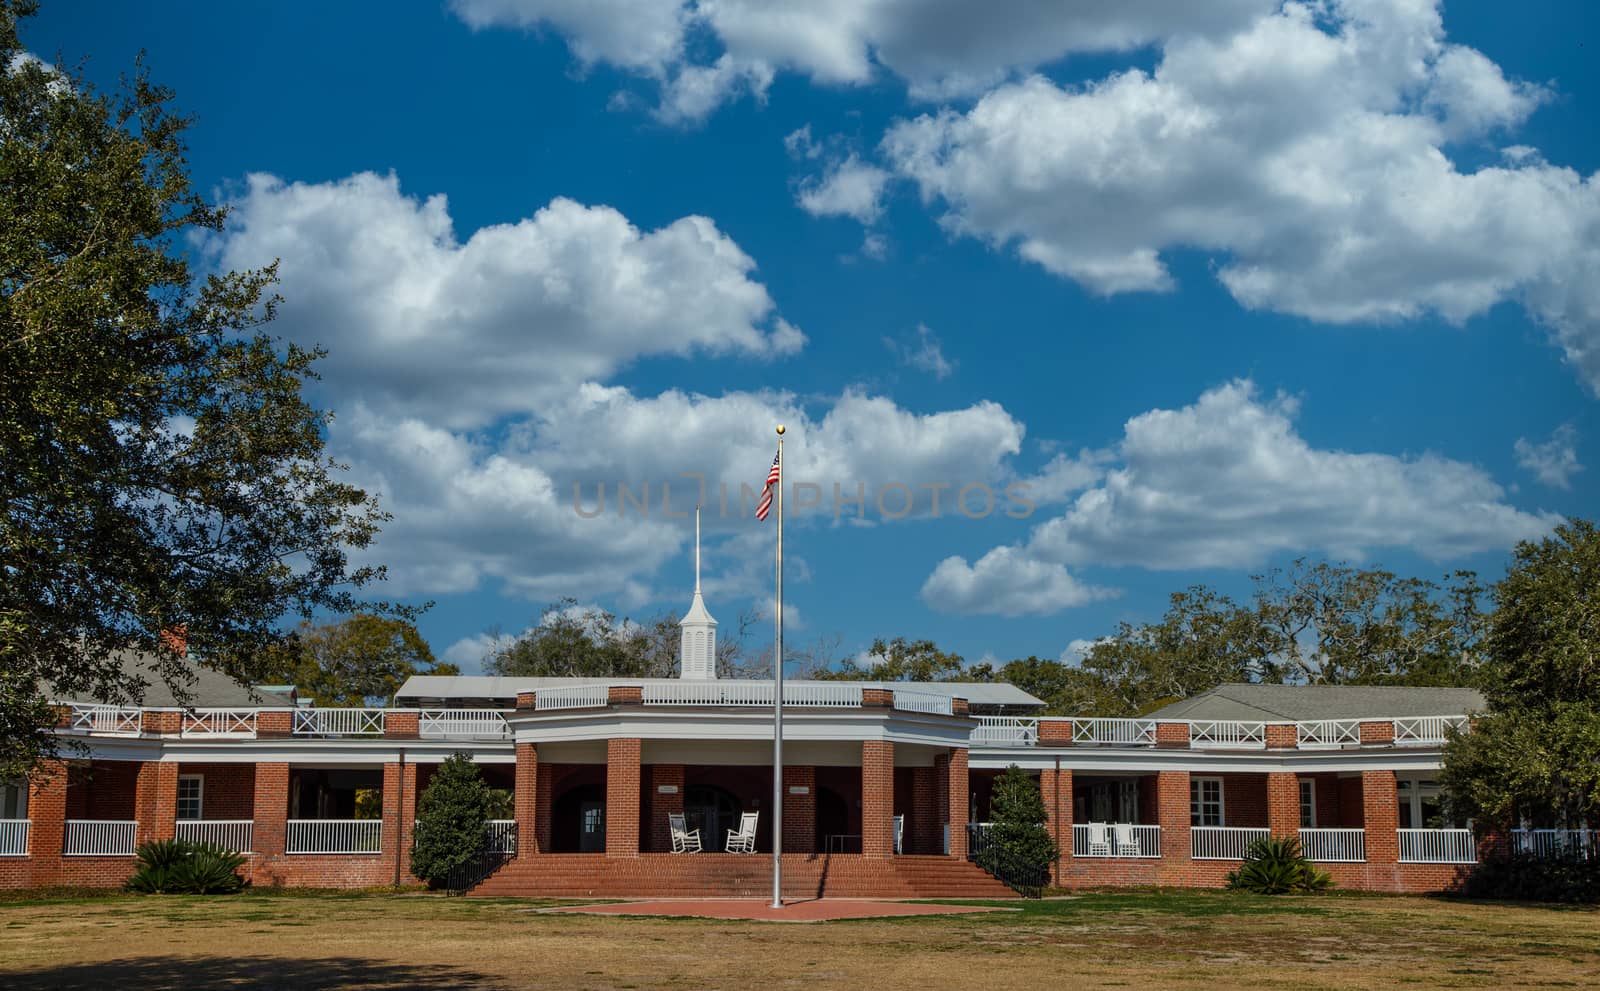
1218,285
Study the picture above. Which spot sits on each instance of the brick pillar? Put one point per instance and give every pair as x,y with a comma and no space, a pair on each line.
877,798
47,808
1055,787
622,797
941,798
959,792
925,823
1380,816
665,803
1172,813
799,810
525,801
271,814
155,800
1283,803
399,815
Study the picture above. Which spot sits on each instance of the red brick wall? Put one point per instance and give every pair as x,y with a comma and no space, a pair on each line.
877,798
228,791
880,698
280,723
103,789
659,806
924,826
1377,732
1055,732
401,725
1380,811
1244,800
531,838
1055,787
271,809
152,721
622,797
624,695
1172,815
156,800
1282,736
1283,803
1172,734
799,811
958,790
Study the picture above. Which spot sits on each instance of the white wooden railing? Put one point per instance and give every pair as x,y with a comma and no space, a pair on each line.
502,835
574,697
481,723
1100,840
105,718
748,692
14,837
907,700
1222,842
219,722
1005,731
1228,733
338,722
334,836
1424,731
1328,733
99,838
1437,846
1125,732
1334,846
233,834
1583,843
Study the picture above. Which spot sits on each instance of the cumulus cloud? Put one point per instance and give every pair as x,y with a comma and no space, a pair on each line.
1307,151
851,188
1227,483
1554,461
923,352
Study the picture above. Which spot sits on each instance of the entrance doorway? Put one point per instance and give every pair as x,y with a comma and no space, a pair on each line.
713,811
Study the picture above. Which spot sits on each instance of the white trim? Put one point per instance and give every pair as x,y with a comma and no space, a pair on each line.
1197,783
1300,799
200,779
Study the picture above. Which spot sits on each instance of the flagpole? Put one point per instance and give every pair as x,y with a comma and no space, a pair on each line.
777,705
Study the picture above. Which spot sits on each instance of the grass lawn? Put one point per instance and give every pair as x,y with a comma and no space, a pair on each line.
1127,939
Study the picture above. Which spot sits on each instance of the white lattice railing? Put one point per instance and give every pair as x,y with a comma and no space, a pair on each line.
1328,732
219,722
1334,846
334,836
1005,731
1584,843
1223,842
479,723
232,834
105,718
1228,733
1126,732
99,838
1105,839
502,835
574,697
338,722
752,693
1437,846
14,837
1423,731
907,700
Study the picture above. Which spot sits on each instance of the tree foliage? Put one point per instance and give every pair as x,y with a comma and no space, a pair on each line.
360,659
1018,848
159,466
452,819
1275,865
573,641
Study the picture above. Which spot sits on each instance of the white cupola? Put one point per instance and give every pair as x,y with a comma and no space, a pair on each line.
697,658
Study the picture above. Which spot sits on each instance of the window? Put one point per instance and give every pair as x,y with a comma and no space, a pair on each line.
14,800
1308,805
1205,801
191,788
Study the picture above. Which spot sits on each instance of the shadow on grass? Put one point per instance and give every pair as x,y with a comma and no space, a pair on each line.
264,973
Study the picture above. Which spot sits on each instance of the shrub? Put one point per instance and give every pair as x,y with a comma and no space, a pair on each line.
1274,865
452,816
179,867
1564,877
1018,848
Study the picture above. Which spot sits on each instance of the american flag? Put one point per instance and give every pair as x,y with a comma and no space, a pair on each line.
765,506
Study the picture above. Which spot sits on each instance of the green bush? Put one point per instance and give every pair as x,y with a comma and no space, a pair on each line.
452,816
1018,848
179,867
1566,877
1274,865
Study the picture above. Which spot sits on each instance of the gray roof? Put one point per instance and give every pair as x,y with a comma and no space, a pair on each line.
209,689
1296,703
424,688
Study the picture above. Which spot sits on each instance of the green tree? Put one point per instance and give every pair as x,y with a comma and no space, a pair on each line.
909,660
452,818
360,659
159,465
1535,753
571,641
1018,848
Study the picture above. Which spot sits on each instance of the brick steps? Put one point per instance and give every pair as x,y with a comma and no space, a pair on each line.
731,876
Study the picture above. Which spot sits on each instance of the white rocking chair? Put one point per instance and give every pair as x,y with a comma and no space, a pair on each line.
899,833
1099,840
1122,836
743,839
684,839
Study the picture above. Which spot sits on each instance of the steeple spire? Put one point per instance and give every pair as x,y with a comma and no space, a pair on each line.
697,656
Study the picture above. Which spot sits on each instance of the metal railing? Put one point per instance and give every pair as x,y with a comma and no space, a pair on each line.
14,837
502,835
338,722
574,697
907,700
476,723
1334,846
1328,733
1581,843
1105,839
219,722
734,692
1005,731
99,838
334,836
233,834
1424,731
1437,846
1228,733
1223,842
105,718
1125,732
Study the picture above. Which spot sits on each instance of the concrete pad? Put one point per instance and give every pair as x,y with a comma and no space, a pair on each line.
813,910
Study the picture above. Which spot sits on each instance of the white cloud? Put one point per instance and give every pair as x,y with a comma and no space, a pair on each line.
1306,151
1076,650
1554,461
850,188
925,353
469,653
1227,483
